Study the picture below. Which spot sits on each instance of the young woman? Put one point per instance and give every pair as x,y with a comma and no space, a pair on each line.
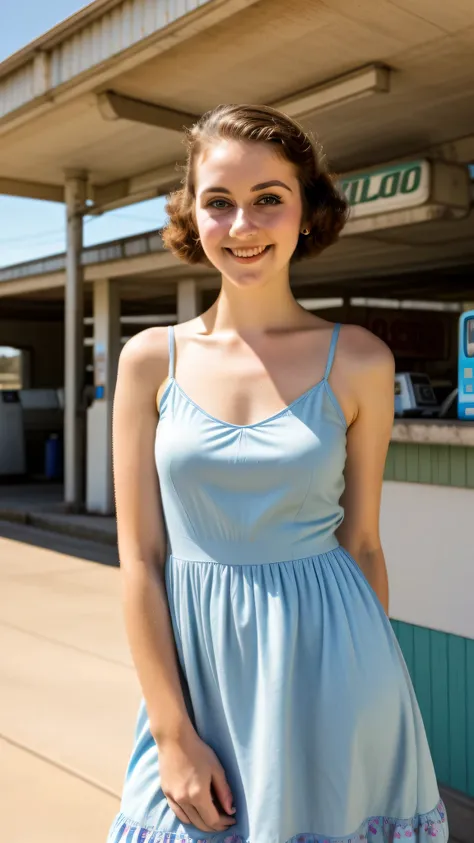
276,703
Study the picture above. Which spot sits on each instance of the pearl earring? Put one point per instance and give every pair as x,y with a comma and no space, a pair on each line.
305,231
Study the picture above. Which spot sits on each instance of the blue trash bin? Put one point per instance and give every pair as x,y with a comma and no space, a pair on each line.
53,457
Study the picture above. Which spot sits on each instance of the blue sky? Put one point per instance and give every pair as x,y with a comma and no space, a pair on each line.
28,228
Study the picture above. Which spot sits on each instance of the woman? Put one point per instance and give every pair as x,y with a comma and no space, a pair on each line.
276,703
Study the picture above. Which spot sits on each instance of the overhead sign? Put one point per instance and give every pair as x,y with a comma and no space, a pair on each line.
405,193
387,189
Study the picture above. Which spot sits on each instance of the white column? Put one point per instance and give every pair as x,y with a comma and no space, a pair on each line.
99,488
188,300
75,196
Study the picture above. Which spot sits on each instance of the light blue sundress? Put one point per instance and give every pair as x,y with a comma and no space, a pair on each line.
290,667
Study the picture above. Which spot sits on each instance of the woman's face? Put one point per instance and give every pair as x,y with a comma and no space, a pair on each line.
248,210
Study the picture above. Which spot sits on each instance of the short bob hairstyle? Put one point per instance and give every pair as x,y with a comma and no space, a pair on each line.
324,207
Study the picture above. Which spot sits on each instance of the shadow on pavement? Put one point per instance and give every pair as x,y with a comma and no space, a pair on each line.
103,554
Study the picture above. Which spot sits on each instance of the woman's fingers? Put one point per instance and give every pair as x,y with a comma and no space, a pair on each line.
222,790
197,820
202,814
177,809
187,814
210,814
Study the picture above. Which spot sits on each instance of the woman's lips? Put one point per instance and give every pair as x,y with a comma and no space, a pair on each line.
250,258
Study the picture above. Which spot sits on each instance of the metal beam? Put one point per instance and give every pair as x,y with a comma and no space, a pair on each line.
31,189
113,106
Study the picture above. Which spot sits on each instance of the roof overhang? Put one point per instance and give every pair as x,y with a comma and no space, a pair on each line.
112,106
95,44
108,91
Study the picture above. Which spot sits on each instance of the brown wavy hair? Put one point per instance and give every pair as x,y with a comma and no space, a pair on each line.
324,207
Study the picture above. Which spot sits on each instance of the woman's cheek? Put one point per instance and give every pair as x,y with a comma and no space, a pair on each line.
211,241
211,229
210,233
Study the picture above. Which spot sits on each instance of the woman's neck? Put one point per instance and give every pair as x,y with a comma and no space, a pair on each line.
255,310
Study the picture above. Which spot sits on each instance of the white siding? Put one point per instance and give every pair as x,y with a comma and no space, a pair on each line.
427,536
17,89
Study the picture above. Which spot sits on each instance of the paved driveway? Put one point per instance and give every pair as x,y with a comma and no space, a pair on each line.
69,694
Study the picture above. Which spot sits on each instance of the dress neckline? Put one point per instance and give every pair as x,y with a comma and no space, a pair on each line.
283,412
172,382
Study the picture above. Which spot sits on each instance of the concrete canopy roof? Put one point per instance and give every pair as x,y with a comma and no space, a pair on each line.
396,262
186,56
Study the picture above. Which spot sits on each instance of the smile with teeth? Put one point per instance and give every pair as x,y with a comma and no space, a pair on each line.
249,253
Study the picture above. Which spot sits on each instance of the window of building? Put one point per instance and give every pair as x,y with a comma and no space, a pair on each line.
12,367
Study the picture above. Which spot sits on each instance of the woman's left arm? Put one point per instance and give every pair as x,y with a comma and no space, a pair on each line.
368,438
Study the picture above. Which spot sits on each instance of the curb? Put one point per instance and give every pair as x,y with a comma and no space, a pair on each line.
51,524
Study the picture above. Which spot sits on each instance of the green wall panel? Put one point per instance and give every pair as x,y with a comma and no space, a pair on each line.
442,670
441,465
439,738
470,709
457,712
470,468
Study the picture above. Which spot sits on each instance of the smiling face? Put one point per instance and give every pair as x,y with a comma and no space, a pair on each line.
248,210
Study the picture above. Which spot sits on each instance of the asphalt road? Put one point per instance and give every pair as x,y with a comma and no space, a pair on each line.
69,695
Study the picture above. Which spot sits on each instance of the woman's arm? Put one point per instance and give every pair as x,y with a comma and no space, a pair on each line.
188,767
141,538
368,437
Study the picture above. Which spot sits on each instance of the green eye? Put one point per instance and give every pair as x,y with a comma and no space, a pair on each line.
269,200
219,204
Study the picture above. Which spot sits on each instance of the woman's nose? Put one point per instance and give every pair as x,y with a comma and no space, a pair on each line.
242,225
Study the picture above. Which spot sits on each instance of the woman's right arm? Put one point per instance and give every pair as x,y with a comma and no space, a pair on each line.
189,769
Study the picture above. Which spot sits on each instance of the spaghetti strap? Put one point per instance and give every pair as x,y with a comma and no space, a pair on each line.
332,350
171,346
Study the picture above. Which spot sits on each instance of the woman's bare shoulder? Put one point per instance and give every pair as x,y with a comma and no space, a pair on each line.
363,352
144,357
146,350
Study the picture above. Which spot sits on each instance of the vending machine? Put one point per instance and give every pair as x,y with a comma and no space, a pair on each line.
466,367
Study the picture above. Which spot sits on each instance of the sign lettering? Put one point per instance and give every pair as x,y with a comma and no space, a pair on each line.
390,188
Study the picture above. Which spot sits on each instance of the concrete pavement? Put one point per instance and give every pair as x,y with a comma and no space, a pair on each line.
41,505
69,692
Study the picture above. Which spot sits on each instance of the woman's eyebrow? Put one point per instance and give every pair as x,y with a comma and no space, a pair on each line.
276,183
262,186
216,190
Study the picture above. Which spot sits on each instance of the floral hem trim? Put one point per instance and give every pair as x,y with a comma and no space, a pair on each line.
423,828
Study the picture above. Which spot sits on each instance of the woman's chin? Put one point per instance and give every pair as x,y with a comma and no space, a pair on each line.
251,276
248,280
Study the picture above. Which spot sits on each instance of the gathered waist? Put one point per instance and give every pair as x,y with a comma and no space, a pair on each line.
249,552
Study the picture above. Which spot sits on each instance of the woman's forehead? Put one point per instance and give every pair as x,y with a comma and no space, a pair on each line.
226,162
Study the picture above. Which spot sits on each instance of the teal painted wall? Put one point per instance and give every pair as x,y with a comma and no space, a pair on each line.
442,670
441,465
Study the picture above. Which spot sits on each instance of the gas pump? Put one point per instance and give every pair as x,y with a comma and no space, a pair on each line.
466,367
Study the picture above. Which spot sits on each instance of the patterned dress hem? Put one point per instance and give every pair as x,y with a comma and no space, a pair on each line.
422,828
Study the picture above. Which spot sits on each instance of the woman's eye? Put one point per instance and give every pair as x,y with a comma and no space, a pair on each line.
219,204
269,200
223,204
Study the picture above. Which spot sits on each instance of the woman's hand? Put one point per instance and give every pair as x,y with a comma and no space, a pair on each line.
194,783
